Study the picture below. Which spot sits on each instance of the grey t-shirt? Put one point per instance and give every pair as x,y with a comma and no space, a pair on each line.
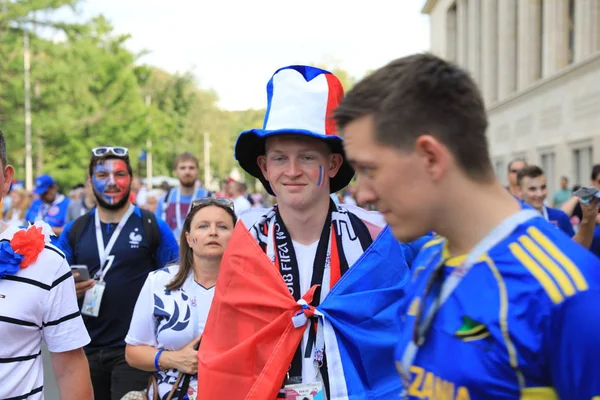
76,209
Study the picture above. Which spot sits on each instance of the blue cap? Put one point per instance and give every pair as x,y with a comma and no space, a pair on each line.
42,184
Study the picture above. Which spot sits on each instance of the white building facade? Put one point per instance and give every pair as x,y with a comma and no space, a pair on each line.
537,63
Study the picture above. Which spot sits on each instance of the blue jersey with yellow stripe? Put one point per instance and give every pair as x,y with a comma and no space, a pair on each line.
523,323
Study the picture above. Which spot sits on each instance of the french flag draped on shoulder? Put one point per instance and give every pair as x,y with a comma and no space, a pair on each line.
252,332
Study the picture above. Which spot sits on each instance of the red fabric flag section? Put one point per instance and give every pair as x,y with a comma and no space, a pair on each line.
249,339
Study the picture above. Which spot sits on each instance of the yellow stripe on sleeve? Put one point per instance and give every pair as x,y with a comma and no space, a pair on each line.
550,266
538,272
539,393
570,267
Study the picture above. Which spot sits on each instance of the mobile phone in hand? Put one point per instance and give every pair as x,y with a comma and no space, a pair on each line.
84,273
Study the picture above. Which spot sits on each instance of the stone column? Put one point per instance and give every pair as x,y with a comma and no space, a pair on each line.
583,32
595,18
507,47
451,36
529,42
587,28
462,33
474,31
489,51
555,36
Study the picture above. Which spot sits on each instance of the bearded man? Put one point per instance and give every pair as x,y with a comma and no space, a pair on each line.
111,250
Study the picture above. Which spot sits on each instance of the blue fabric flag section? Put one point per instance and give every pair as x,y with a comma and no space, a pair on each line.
362,323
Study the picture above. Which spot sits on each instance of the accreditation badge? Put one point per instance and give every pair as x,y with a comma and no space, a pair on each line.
305,391
92,299
192,393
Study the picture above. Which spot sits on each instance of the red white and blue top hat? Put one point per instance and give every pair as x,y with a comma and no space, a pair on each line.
300,101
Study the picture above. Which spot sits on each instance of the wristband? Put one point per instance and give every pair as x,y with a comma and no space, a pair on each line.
156,357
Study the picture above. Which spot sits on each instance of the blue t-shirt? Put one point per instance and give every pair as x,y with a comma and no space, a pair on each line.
595,246
523,321
54,214
561,220
131,265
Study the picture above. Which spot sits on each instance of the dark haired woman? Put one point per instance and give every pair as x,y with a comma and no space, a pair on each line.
171,311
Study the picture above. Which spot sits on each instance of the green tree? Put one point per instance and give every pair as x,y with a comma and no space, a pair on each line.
89,90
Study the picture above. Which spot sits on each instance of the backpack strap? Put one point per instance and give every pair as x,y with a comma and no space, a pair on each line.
152,231
166,200
77,229
167,195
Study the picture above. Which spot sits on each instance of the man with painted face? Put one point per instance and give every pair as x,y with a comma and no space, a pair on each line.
119,244
51,206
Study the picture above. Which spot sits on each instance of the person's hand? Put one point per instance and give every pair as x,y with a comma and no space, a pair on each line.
83,286
589,212
184,360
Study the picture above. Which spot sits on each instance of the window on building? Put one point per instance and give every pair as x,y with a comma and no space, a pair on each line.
582,165
548,165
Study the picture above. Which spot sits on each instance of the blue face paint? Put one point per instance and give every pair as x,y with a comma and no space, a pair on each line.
321,180
111,180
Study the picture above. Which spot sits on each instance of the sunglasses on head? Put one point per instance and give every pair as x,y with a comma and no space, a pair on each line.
210,201
110,150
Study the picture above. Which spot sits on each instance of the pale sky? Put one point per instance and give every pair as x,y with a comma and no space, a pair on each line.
235,46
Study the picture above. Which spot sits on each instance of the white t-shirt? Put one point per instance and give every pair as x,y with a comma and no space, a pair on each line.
169,319
241,204
306,256
38,303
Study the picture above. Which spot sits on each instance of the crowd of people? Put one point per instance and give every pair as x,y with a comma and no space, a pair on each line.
425,278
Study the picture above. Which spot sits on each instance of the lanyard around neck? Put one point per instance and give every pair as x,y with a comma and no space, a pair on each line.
103,252
497,234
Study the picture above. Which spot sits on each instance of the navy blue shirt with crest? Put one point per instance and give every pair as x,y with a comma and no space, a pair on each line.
133,261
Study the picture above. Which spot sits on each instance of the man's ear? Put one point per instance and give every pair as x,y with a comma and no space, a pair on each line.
9,173
434,156
262,164
335,163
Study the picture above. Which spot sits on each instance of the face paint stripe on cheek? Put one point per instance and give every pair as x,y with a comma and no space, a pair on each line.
320,181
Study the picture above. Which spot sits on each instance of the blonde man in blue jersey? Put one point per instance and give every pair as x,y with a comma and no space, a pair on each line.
502,305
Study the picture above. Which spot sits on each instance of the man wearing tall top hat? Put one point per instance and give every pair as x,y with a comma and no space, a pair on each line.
310,314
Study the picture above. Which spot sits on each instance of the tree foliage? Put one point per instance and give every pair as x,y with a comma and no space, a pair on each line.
89,90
